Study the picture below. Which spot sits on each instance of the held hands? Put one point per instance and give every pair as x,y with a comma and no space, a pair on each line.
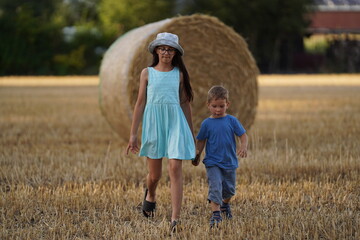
196,160
132,146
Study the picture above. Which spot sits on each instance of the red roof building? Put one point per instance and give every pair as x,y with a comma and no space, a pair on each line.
335,16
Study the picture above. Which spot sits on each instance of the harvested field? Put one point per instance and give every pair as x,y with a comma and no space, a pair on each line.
64,174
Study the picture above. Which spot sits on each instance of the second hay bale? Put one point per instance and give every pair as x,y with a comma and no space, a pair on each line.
214,55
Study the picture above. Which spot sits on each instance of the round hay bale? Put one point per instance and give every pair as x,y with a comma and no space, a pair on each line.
214,55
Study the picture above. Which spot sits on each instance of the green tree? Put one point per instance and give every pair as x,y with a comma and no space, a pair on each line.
28,36
77,12
272,28
67,36
82,37
120,16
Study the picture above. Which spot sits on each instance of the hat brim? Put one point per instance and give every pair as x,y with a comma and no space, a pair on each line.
159,42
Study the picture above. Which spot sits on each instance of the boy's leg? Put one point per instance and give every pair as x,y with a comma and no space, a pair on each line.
228,191
176,187
226,208
214,196
214,178
214,206
226,201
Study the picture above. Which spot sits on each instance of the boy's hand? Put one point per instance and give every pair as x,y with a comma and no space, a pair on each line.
242,152
196,160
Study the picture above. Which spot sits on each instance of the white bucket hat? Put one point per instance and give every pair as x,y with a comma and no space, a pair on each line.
168,39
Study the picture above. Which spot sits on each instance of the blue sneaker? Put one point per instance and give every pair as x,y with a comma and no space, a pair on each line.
225,209
215,219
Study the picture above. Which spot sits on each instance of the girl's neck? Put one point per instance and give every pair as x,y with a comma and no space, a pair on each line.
164,67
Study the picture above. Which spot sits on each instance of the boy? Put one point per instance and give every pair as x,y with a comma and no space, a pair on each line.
218,132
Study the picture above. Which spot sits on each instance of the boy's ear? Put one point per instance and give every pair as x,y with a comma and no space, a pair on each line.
228,103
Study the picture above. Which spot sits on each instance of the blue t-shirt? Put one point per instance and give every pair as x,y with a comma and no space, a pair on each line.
221,143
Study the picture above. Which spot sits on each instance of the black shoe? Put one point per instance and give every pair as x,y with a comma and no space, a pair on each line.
225,209
174,227
215,219
148,208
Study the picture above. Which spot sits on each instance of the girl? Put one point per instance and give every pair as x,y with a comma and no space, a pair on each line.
163,104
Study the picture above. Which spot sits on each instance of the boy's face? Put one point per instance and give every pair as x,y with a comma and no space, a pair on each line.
218,107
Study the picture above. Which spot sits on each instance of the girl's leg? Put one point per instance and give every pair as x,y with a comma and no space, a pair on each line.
176,187
153,177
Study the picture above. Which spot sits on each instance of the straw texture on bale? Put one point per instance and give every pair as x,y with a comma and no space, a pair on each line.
214,55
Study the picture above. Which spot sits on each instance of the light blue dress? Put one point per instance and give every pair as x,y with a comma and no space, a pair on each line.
165,131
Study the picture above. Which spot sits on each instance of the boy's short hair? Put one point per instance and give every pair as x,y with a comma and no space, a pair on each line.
218,92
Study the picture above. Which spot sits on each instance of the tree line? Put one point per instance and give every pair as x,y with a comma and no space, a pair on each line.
61,37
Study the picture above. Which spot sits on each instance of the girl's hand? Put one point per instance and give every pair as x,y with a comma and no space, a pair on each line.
242,152
132,146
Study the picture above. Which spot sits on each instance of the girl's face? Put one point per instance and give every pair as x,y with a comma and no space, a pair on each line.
218,107
165,53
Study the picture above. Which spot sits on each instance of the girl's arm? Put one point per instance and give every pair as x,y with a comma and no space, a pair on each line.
242,152
138,113
185,105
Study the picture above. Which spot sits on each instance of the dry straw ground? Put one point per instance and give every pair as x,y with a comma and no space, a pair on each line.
64,174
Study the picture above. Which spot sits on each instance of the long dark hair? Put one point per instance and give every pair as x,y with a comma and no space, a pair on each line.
177,61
